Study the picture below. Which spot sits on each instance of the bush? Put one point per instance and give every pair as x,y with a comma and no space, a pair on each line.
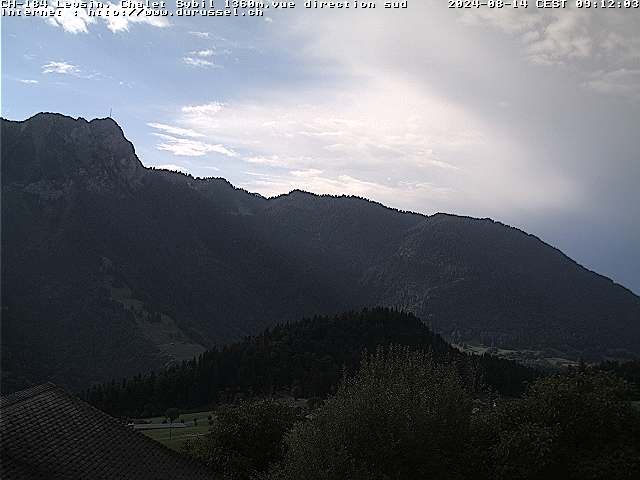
401,416
172,414
244,439
572,426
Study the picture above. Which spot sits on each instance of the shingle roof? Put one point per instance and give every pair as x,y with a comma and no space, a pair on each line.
46,433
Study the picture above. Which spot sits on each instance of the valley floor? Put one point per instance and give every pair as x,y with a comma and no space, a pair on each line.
174,436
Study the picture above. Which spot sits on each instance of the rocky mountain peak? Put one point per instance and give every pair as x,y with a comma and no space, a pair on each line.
58,148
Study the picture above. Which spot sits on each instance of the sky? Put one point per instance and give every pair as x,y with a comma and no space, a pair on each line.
527,116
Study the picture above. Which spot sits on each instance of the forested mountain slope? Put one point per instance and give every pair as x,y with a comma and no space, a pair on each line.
110,268
304,359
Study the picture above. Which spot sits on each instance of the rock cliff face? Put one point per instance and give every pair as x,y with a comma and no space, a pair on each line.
62,150
110,268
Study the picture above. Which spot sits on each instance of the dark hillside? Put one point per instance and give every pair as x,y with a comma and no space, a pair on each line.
110,268
304,359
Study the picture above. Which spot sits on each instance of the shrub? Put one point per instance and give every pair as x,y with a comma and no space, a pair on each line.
572,426
401,416
244,439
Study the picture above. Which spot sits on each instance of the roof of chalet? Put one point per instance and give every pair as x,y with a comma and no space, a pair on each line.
47,433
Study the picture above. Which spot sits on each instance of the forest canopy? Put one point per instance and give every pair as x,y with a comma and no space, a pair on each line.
306,359
404,416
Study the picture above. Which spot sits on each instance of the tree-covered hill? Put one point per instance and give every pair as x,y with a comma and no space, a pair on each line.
305,359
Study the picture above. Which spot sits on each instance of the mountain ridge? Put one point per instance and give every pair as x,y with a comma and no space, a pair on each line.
130,268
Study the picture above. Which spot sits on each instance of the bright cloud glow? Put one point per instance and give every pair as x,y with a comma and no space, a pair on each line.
391,139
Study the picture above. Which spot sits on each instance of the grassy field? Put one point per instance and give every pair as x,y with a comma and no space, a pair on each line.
534,358
178,435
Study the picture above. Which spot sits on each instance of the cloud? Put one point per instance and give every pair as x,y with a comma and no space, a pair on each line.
187,147
115,18
621,82
28,81
65,68
62,68
199,62
122,22
206,109
384,120
271,160
210,52
309,172
578,37
184,132
203,53
200,34
563,37
313,181
71,20
172,167
386,136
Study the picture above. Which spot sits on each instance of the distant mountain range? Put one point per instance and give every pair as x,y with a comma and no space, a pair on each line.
110,268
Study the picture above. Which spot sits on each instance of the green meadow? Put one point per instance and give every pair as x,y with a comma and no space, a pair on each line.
175,437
